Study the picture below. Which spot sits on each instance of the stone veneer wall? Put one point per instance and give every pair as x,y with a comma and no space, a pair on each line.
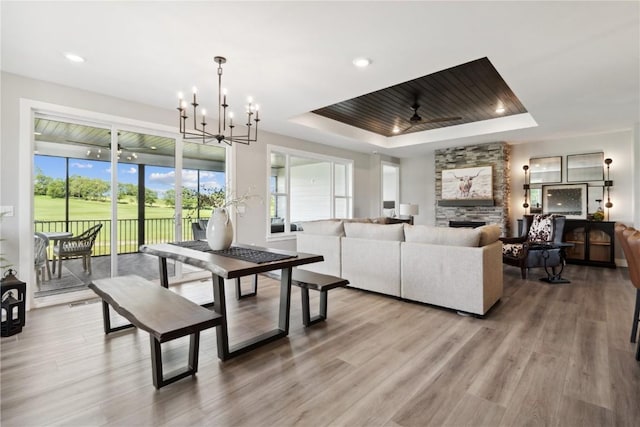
494,154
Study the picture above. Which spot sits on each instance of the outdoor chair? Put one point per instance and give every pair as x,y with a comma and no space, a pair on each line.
199,229
41,259
74,247
528,250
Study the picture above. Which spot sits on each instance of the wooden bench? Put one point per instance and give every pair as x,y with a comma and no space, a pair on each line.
159,311
306,280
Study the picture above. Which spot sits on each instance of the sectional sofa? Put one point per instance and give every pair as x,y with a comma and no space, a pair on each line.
456,268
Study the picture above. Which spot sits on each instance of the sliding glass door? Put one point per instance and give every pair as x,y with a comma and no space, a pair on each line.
152,198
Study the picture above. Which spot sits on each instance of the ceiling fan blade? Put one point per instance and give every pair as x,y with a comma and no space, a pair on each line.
441,119
92,144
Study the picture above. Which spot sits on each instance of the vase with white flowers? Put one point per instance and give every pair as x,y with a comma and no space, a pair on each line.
220,226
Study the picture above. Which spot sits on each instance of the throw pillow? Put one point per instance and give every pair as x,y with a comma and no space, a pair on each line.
541,229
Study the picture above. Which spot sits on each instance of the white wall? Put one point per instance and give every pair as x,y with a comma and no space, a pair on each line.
250,169
417,185
617,146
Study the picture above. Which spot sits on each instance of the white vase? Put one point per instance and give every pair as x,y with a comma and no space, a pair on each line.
219,230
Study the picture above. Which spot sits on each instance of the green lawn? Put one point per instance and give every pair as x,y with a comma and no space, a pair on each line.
90,212
49,209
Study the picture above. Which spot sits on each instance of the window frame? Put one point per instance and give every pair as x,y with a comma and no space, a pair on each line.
288,153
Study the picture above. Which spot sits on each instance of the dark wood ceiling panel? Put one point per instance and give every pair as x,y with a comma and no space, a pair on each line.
470,91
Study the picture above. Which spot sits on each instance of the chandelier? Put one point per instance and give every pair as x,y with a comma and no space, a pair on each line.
201,133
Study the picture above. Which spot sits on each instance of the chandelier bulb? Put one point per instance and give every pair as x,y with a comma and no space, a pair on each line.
180,96
204,112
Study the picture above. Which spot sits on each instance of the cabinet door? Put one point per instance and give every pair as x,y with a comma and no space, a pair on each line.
600,242
576,232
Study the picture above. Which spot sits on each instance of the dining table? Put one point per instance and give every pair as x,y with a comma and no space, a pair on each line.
235,262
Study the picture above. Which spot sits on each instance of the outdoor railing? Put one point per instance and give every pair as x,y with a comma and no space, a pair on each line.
156,230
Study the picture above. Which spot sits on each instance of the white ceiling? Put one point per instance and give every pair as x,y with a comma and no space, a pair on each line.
574,65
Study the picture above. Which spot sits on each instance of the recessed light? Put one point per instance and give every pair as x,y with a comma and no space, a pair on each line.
361,62
395,129
73,57
37,133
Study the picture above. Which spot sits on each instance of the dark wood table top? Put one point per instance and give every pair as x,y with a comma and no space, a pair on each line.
226,267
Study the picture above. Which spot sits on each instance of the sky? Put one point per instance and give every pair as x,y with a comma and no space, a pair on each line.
158,179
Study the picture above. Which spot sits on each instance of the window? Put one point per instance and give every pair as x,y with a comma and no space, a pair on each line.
306,186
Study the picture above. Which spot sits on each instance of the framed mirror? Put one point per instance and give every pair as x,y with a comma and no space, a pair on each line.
545,170
585,167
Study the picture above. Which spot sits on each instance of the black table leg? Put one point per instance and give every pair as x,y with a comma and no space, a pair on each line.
226,351
164,276
552,276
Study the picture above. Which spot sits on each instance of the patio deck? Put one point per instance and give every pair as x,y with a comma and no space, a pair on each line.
74,278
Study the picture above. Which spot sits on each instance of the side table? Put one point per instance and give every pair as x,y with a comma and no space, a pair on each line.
552,276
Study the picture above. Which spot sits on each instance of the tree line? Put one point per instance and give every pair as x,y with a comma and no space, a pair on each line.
96,189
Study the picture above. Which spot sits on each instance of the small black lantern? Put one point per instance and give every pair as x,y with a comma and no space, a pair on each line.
13,304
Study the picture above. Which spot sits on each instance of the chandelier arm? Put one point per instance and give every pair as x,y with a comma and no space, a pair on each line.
202,133
219,96
256,120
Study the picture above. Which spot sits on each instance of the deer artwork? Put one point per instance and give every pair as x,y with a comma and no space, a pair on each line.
465,183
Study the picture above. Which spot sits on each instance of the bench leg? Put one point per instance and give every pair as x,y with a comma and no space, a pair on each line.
253,293
106,321
307,320
159,379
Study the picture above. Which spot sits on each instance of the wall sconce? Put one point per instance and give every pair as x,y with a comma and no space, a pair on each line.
526,188
608,184
408,211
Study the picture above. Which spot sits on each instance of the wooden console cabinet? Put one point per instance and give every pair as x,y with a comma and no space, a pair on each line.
594,242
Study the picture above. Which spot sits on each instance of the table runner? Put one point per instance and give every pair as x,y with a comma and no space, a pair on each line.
245,254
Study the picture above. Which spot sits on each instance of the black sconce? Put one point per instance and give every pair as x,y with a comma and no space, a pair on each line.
608,183
525,205
13,304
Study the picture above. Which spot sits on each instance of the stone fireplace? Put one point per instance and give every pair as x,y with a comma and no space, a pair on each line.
495,155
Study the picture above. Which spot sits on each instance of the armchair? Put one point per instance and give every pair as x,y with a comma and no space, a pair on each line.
40,257
199,229
522,252
78,246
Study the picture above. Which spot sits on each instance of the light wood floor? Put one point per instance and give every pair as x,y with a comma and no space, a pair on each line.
545,355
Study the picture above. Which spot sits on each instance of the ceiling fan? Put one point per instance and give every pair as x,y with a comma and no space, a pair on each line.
416,119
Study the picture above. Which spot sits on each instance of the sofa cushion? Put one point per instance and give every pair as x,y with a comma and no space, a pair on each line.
441,235
489,234
512,250
374,231
324,227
